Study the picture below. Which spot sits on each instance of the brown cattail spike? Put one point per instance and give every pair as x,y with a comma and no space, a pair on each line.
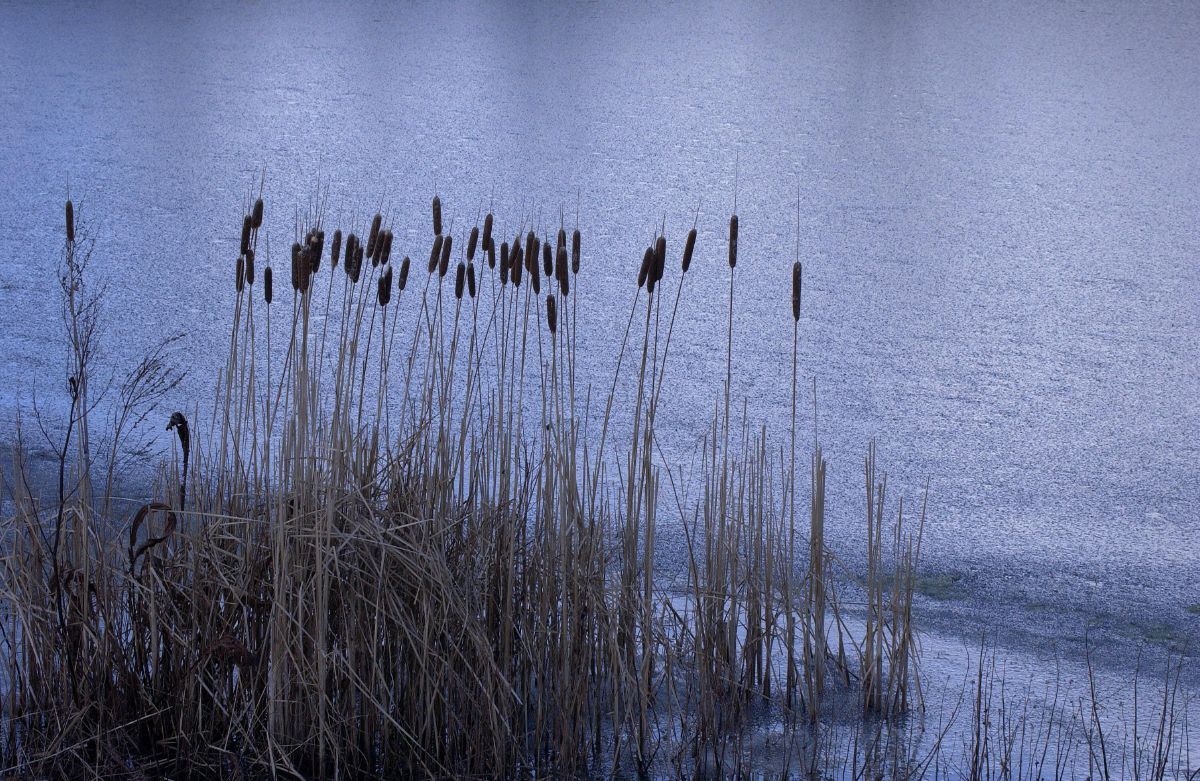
547,260
487,231
437,214
245,245
562,239
460,277
471,279
387,246
250,266
385,287
257,215
295,265
575,252
70,222
515,263
267,285
797,286
436,253
358,261
240,279
561,270
491,252
373,238
444,265
660,257
733,236
336,249
688,249
551,313
644,271
471,242
403,275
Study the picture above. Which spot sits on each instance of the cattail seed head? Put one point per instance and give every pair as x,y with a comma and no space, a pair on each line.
797,288
437,214
373,238
552,313
562,239
561,270
245,245
471,242
460,278
336,249
385,287
733,238
444,264
515,263
575,252
403,275
487,231
471,279
660,257
240,278
535,277
644,271
318,249
267,284
257,215
250,266
312,256
491,252
387,246
296,265
503,262
351,244
688,249
435,253
547,260
70,222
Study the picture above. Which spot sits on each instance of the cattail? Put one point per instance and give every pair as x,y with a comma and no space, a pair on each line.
575,252
797,285
733,230
460,277
245,235
295,265
471,242
403,275
487,231
387,246
240,279
267,285
435,253
250,266
437,215
385,287
471,279
444,265
561,272
688,249
491,252
336,249
503,262
515,263
257,215
552,313
562,239
312,256
70,222
547,260
354,260
531,248
644,271
351,244
373,238
318,249
660,257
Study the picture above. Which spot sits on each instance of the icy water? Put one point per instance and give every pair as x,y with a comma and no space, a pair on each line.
998,221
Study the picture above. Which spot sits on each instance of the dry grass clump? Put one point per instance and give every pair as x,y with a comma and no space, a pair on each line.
403,554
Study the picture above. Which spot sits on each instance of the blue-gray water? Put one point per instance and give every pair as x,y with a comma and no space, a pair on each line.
998,220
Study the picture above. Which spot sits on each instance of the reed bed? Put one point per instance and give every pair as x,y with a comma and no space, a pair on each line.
400,553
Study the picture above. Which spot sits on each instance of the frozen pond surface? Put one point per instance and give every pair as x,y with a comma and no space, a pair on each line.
998,223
